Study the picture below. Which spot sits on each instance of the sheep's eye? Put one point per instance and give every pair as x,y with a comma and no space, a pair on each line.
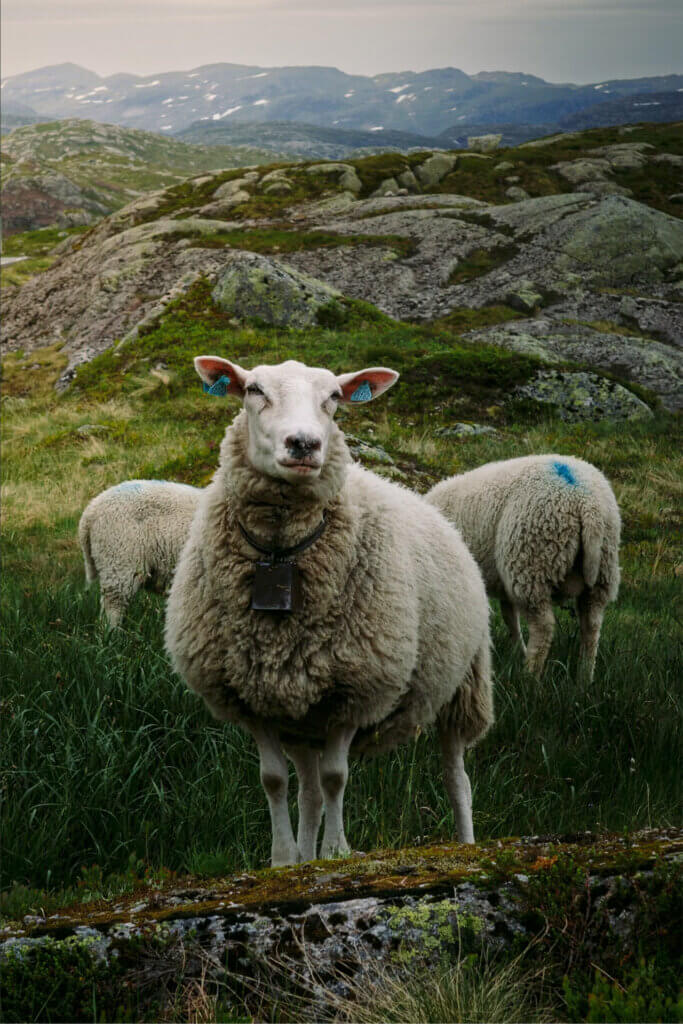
336,396
254,389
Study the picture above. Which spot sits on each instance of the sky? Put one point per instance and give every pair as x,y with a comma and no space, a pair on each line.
560,40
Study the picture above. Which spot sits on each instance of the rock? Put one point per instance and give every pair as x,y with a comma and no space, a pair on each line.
464,430
512,180
307,928
604,188
549,140
229,188
504,165
677,197
279,174
484,143
583,396
278,188
388,187
624,156
652,364
578,172
87,429
516,194
223,207
345,174
408,180
435,168
257,287
525,297
668,158
361,449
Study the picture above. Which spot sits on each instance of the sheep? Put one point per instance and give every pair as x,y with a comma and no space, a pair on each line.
380,644
131,535
542,528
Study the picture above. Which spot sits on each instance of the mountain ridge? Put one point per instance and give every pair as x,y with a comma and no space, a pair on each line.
424,103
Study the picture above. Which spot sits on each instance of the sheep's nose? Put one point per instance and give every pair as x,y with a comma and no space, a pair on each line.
301,445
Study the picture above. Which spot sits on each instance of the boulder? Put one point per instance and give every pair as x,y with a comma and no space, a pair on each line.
344,174
434,168
484,143
516,194
388,187
577,172
652,364
259,288
583,396
504,165
229,188
465,430
525,296
280,187
409,181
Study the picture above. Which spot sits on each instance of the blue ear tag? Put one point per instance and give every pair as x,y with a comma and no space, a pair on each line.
363,393
219,388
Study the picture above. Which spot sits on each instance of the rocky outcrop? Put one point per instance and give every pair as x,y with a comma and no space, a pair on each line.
321,921
657,366
254,287
583,396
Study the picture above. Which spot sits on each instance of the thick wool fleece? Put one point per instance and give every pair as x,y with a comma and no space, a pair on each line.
540,527
394,619
132,534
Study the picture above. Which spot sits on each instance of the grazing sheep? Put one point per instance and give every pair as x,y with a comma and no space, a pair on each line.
131,535
380,643
542,528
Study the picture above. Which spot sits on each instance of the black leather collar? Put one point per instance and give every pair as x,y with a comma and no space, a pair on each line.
284,554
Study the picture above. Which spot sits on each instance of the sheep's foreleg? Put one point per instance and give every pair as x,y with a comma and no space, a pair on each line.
275,780
456,781
334,773
307,764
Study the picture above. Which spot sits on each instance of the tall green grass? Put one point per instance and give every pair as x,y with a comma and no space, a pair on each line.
106,754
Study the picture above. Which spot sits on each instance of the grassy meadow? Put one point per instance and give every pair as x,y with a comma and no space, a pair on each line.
110,768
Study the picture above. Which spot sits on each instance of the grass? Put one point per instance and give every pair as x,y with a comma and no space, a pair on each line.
106,756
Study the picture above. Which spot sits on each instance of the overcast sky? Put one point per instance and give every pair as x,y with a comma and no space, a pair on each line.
560,40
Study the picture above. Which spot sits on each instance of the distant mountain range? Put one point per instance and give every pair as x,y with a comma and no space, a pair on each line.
427,103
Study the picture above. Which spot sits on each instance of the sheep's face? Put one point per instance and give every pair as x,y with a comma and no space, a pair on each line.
290,409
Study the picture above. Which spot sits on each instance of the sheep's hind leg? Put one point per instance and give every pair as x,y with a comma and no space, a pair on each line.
541,629
275,781
456,780
334,773
510,613
591,613
307,764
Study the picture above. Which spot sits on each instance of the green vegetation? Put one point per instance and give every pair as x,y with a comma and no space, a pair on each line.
274,240
107,756
481,261
38,247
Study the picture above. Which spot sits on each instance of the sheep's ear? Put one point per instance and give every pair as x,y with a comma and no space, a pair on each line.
366,384
220,376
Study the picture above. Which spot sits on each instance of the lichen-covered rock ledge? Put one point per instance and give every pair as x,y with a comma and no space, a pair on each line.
326,920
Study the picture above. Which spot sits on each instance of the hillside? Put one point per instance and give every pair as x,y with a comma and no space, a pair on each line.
308,140
424,103
422,237
530,300
74,171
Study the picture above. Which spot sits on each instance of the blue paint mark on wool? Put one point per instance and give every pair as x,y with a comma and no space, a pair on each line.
565,473
130,485
362,393
218,388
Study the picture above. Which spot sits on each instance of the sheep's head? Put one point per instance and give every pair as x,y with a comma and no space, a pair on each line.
290,409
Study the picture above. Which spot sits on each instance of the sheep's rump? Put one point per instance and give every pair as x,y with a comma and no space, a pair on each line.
133,533
383,640
539,526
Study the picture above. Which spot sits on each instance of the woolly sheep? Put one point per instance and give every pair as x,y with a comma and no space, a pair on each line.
382,643
543,528
131,535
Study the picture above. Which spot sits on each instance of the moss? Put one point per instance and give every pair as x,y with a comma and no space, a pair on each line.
481,261
431,930
272,240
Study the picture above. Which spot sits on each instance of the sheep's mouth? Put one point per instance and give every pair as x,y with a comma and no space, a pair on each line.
302,466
